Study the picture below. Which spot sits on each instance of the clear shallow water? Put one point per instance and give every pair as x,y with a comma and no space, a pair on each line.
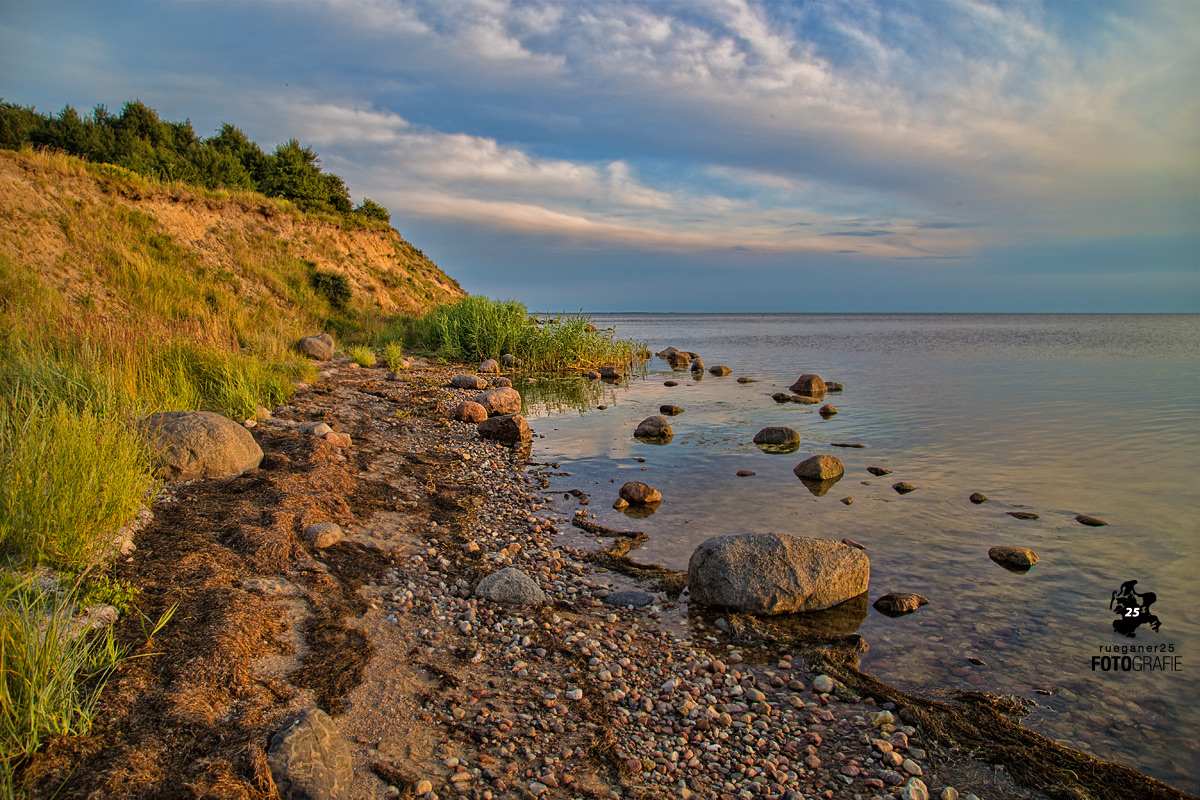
1055,414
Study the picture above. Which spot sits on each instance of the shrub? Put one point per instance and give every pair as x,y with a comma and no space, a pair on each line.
363,356
333,286
393,354
371,210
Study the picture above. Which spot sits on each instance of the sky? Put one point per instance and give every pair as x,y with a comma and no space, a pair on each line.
701,155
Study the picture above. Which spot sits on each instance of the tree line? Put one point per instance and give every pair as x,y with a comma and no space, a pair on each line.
138,140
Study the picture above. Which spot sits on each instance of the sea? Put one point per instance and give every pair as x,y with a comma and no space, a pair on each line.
1053,415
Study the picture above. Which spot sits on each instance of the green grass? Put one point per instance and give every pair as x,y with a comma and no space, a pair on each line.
51,675
362,355
476,328
393,354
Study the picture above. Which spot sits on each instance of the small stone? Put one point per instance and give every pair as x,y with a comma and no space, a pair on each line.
746,473
323,534
575,694
319,429
337,439
670,383
903,487
620,503
949,793
537,788
720,370
827,411
670,411
882,718
630,599
423,787
822,684
911,767
978,497
1091,522
848,501
879,471
1022,515
915,789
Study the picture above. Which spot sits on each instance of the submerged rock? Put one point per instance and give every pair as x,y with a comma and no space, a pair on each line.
772,573
879,471
1092,522
1027,515
978,497
720,370
903,487
897,604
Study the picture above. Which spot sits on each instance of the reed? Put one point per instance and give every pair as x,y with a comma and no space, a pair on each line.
476,328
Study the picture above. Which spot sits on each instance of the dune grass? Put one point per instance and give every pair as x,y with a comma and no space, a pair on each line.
476,328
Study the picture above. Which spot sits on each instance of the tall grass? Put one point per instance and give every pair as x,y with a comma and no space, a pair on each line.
478,328
67,478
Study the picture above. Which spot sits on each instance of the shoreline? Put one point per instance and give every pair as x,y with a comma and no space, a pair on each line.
573,698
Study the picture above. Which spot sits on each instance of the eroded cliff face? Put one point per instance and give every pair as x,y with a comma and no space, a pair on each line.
74,224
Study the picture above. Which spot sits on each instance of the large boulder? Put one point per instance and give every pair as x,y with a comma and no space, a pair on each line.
469,411
820,468
503,400
185,445
511,587
310,759
468,382
775,573
506,429
655,427
810,385
319,347
489,366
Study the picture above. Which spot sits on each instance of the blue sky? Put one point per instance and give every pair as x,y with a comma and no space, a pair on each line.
707,155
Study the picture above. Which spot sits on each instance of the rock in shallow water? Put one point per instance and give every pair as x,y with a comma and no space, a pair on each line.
777,435
1091,522
639,493
1013,558
310,759
772,573
820,468
978,497
897,604
653,428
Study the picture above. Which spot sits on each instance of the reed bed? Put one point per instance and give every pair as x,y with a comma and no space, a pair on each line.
476,328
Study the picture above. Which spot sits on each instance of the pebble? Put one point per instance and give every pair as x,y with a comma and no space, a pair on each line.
822,684
911,767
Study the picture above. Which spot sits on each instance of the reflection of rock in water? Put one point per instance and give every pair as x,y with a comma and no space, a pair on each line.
811,627
820,488
641,511
779,448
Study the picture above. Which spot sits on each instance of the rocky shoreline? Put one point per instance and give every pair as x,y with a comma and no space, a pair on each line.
598,687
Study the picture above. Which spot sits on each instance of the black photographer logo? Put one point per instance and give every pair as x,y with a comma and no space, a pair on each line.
1132,609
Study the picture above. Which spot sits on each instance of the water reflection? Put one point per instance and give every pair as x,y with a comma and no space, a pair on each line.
1017,409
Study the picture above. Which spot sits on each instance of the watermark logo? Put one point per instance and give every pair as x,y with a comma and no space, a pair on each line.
1133,609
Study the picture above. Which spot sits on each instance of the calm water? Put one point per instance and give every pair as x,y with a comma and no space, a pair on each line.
1053,414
